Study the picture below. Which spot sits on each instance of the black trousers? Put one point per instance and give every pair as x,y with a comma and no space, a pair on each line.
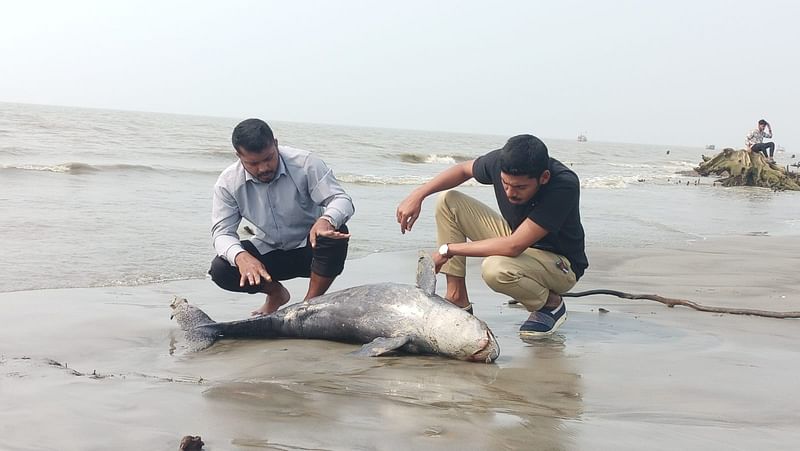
326,259
763,147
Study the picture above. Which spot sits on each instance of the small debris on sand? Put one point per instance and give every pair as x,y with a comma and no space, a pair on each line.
191,443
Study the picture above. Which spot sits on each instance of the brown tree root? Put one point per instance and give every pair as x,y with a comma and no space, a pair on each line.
745,168
669,302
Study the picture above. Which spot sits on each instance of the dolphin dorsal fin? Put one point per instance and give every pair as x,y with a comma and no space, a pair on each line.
426,279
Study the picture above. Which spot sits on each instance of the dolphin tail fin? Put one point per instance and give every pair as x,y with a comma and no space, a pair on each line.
382,346
201,337
426,278
201,331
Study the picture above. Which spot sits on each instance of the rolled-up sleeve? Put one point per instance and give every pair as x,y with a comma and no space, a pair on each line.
325,190
225,218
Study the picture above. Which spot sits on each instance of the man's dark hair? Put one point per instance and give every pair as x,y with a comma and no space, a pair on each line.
252,135
524,155
762,122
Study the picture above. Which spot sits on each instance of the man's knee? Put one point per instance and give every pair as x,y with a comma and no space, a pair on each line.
329,256
446,199
496,273
507,279
219,269
227,276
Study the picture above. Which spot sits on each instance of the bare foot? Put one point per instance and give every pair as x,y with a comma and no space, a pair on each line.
274,302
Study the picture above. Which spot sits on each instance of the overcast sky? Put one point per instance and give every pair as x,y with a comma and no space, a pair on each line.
676,72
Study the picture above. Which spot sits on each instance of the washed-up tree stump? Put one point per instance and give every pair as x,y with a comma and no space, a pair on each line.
745,168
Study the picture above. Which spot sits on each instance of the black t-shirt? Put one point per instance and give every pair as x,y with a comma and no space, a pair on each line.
555,207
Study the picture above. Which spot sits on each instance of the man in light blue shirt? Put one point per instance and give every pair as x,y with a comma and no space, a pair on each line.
299,211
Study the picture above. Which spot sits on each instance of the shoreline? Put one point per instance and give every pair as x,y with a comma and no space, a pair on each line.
608,255
77,361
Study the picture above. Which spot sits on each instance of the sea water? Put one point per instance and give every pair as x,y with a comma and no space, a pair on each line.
97,197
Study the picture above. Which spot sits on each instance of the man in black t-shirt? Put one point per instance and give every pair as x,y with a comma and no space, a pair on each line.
534,252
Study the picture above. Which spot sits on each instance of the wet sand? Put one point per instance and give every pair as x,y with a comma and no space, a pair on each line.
105,368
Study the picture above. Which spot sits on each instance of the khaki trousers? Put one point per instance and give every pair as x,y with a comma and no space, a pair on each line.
528,278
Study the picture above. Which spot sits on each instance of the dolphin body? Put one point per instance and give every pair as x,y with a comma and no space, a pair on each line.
385,317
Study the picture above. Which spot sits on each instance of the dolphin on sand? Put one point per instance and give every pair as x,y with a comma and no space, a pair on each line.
385,317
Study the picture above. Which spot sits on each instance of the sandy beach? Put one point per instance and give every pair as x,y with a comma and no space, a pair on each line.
105,368
118,121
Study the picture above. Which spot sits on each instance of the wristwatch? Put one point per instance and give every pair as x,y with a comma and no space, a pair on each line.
444,251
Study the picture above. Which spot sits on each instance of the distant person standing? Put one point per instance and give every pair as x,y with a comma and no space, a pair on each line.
298,208
754,141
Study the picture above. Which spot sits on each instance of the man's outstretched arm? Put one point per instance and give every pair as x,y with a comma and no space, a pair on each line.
409,209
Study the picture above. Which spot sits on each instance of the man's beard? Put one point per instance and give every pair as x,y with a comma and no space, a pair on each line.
265,177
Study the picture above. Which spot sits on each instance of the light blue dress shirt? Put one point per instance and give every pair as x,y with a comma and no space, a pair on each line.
283,210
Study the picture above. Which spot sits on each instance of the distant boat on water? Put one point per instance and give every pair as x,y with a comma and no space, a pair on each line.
582,138
710,147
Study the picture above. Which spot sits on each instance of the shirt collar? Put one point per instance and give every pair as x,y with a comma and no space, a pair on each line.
248,177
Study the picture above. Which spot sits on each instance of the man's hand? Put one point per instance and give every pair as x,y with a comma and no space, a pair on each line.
438,261
407,212
323,227
251,271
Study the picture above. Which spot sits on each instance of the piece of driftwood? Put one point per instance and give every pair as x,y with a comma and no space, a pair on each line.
745,168
669,302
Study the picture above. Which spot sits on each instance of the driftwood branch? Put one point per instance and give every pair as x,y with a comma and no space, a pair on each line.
673,302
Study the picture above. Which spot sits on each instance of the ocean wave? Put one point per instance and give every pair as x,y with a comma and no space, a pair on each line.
74,168
634,165
660,171
611,181
417,158
365,144
86,168
147,279
361,179
358,179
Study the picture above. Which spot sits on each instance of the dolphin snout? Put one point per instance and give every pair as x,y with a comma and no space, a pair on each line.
488,349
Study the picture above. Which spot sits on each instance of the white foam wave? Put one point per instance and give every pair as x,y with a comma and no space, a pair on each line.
433,158
65,167
146,279
382,179
85,168
633,165
440,159
611,181
358,179
667,166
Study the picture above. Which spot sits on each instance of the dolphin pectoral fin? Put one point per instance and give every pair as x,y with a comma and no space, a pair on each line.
426,278
382,346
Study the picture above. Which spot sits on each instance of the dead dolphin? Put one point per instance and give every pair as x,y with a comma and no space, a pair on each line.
388,317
